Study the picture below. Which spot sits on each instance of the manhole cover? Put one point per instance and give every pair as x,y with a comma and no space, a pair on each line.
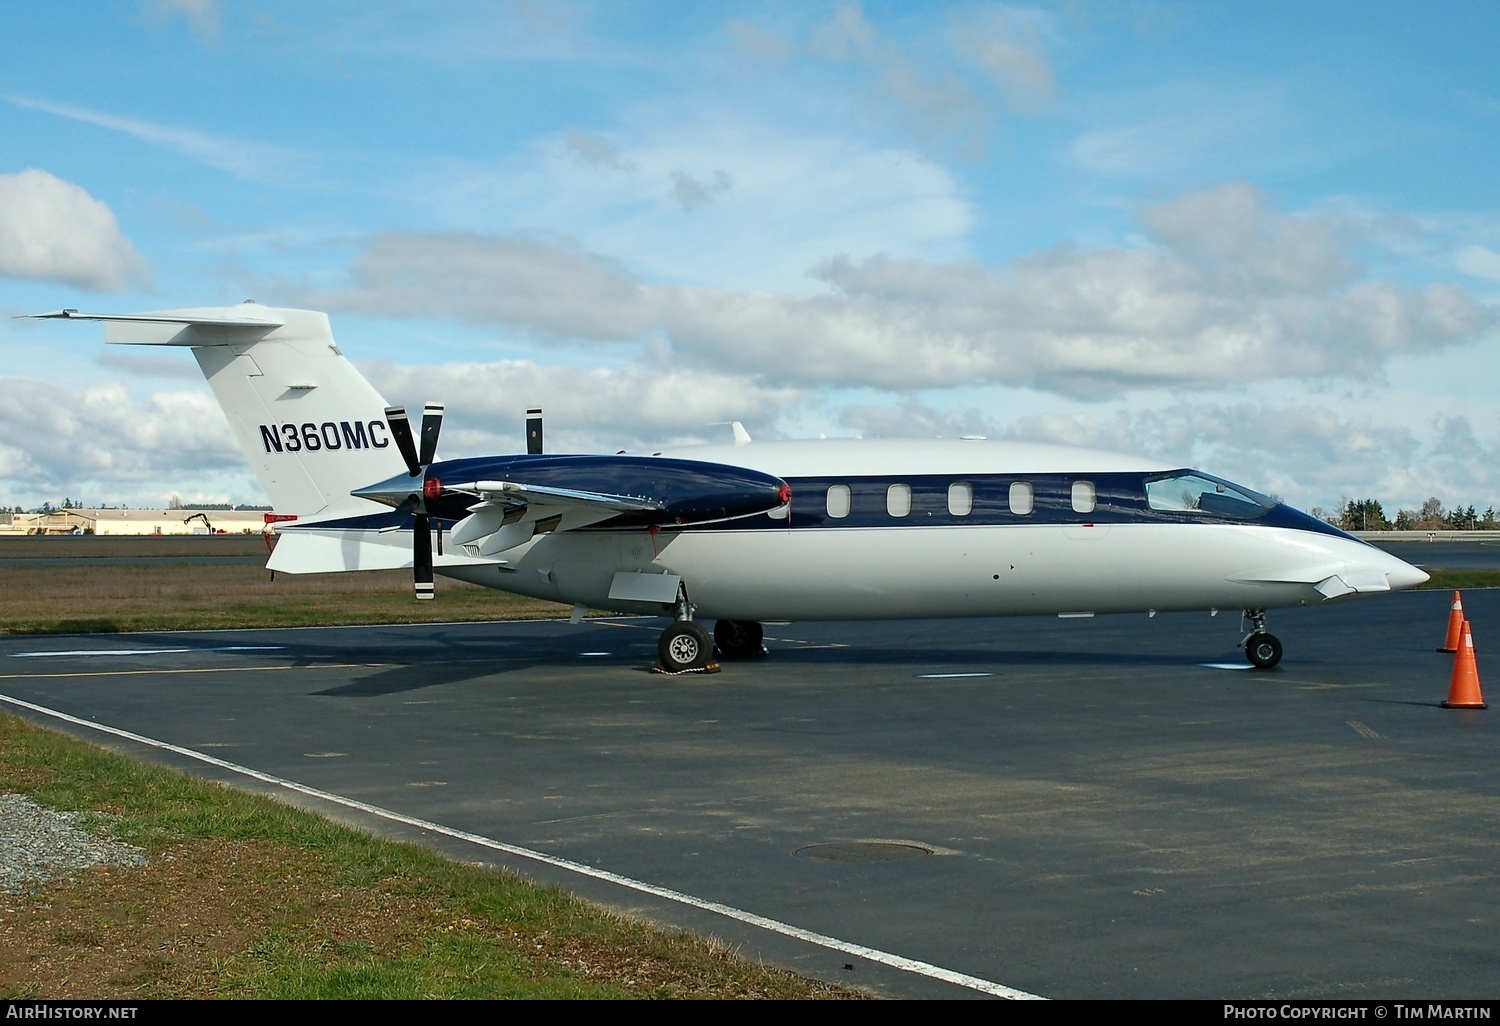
862,851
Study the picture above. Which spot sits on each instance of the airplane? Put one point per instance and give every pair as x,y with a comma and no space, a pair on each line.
743,533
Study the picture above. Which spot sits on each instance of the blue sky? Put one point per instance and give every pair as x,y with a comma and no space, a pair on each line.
1261,239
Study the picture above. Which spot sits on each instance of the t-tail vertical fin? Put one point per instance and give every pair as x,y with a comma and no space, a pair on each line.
312,427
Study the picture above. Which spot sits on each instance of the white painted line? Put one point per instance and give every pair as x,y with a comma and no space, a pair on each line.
1226,666
385,626
946,676
99,652
910,965
141,651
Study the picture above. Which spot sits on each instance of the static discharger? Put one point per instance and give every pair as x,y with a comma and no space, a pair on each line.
1455,625
1463,692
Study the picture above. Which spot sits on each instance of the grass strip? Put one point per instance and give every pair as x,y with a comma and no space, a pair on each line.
245,897
1457,580
187,596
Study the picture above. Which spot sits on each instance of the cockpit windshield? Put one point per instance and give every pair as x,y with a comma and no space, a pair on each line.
1189,491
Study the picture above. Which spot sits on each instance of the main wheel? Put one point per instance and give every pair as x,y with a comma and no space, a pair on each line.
739,639
1263,651
684,646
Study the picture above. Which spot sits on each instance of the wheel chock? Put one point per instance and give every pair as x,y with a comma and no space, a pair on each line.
713,667
1463,692
1455,625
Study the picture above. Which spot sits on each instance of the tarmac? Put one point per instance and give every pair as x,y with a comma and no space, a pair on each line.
1115,807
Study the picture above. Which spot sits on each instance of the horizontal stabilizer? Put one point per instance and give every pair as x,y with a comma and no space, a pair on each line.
202,327
328,552
332,552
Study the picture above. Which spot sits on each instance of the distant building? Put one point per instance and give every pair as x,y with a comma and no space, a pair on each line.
137,522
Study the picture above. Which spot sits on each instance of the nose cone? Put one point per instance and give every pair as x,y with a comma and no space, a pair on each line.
1375,569
1404,575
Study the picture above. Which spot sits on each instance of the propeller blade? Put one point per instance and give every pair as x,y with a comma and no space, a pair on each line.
421,556
533,432
432,423
395,416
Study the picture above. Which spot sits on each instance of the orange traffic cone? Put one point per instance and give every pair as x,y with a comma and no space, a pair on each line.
1464,692
1455,625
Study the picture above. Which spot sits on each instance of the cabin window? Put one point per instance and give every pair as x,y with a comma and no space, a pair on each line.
1022,498
1084,497
838,501
898,500
960,498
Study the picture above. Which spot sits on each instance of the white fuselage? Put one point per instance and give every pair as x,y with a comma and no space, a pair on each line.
924,564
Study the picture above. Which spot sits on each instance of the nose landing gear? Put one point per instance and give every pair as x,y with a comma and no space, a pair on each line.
1262,649
685,647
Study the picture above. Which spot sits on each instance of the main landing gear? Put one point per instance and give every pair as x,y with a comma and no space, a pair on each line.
739,639
1262,649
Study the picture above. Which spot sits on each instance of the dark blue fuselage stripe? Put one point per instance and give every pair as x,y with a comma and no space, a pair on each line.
1120,499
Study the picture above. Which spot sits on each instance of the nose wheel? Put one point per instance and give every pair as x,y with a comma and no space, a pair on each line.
1262,649
684,646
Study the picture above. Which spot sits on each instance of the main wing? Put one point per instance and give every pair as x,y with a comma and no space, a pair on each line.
497,504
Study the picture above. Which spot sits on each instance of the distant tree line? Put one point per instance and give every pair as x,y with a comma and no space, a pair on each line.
1368,515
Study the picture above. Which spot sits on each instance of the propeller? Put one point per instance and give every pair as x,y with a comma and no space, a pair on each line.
417,462
533,432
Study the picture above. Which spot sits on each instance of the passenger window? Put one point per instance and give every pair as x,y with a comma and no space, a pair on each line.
1084,497
1021,497
960,498
898,500
838,501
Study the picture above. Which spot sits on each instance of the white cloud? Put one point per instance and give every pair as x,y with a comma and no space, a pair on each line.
55,231
586,410
1232,291
690,192
1478,262
101,441
525,284
1306,452
944,83
794,200
1011,52
1312,455
595,149
911,418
